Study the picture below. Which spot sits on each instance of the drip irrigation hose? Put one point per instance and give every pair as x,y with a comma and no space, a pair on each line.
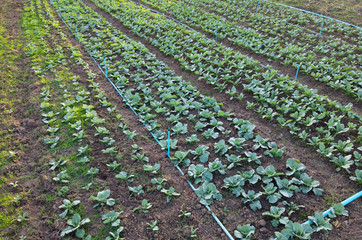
185,25
344,203
319,15
168,154
325,213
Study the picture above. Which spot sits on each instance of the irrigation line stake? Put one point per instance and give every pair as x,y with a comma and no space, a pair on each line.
171,12
76,29
320,33
296,75
105,67
257,8
168,144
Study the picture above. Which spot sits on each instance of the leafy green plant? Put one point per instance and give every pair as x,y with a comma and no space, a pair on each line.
112,218
56,164
252,157
92,171
125,176
207,192
75,225
152,169
357,177
320,223
221,147
62,177
244,232
275,213
140,157
145,206
337,209
201,153
101,131
294,167
342,162
181,158
272,195
102,198
217,165
306,184
295,230
68,206
253,199
199,173
193,234
292,207
51,142
23,217
153,226
192,139
184,214
170,193
268,172
286,187
234,184
250,176
110,150
136,190
114,165
115,235
237,143
159,181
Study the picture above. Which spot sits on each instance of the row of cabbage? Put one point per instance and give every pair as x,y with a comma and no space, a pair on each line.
300,19
324,124
217,149
67,106
330,61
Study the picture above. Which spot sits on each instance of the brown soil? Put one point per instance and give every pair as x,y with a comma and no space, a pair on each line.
35,171
338,95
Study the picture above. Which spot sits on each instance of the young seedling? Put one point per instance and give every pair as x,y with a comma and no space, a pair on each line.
102,198
75,225
244,232
112,218
152,169
116,235
23,217
153,226
145,206
114,165
170,193
124,176
159,181
68,206
184,214
136,190
193,234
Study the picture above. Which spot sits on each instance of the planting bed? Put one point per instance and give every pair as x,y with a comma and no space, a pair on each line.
177,120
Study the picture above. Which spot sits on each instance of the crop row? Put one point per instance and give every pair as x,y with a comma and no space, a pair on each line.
326,125
74,113
163,100
331,62
271,12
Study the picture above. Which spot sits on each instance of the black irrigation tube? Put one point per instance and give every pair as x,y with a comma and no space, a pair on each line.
168,154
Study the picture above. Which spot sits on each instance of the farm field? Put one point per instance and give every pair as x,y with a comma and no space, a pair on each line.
173,119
